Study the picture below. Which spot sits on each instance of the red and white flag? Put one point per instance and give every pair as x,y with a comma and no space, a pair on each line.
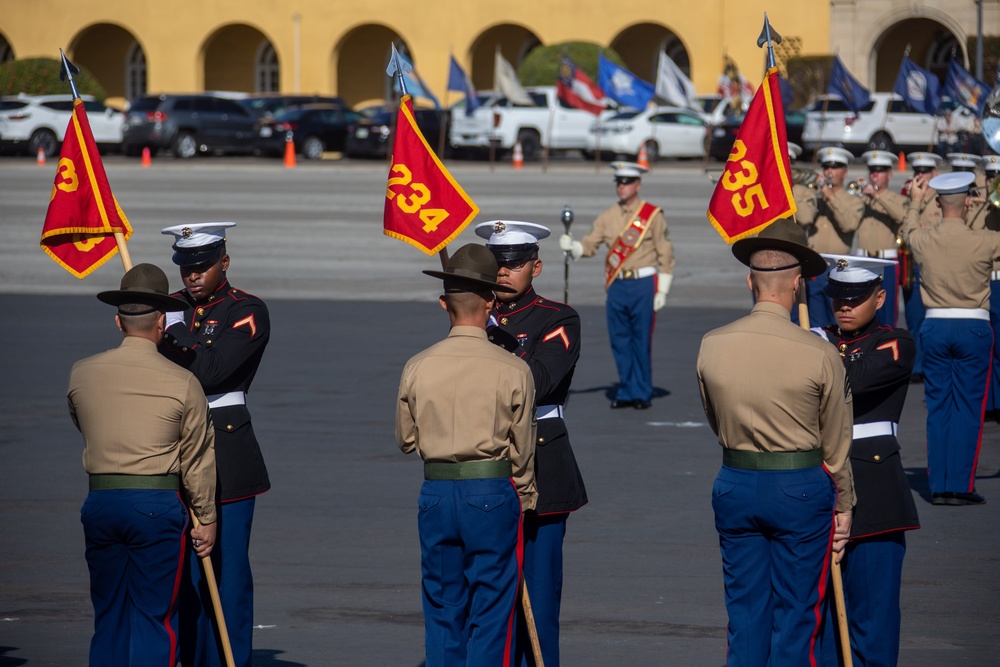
577,90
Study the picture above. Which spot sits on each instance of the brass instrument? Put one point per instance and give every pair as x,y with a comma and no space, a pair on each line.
993,192
856,188
806,177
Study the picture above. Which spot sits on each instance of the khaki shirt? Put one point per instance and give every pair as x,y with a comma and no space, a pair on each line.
985,216
465,399
655,249
925,213
142,414
770,386
805,204
881,222
831,228
955,262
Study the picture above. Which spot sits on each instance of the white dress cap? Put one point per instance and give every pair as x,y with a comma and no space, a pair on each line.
794,150
991,163
197,234
855,269
954,183
628,169
878,159
835,155
966,160
931,160
511,232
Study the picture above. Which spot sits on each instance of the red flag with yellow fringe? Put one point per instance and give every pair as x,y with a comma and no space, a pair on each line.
424,205
83,215
755,189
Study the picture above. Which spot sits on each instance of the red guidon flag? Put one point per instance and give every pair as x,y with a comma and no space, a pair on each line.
755,189
424,205
83,215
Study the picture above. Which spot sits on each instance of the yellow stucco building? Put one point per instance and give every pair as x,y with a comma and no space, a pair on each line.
339,47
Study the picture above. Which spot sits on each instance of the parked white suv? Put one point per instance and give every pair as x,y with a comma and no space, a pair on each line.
664,131
885,124
30,122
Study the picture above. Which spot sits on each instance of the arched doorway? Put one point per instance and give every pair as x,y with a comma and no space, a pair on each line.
361,58
514,41
931,46
111,53
640,46
232,57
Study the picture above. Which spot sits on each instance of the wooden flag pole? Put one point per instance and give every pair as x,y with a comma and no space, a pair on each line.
213,590
529,621
836,576
123,251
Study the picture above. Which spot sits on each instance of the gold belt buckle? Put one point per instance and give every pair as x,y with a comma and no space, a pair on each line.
628,274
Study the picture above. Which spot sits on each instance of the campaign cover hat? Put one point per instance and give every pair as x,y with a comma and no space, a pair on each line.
198,242
785,235
144,284
852,276
512,239
472,267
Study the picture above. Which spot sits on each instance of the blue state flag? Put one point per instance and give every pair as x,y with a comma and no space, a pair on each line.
415,86
919,88
966,89
622,86
459,82
855,95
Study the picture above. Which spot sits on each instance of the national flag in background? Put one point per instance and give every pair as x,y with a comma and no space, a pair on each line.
734,88
459,82
505,80
622,85
424,205
576,89
787,93
755,189
415,86
83,216
672,85
966,89
919,88
847,87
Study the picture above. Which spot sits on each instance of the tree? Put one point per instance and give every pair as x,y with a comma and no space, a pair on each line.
541,66
40,76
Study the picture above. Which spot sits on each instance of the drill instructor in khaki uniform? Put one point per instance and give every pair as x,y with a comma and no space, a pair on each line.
147,435
468,408
776,396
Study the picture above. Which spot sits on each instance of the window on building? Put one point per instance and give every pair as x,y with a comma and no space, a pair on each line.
266,74
135,72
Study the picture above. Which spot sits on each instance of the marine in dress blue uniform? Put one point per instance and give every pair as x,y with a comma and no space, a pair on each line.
467,408
221,339
639,271
955,263
147,434
546,334
777,398
878,360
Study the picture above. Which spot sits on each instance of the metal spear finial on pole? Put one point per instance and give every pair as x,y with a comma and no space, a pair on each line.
399,68
770,37
67,72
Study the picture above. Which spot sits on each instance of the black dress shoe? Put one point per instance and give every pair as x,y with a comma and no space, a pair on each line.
941,499
618,405
972,498
642,405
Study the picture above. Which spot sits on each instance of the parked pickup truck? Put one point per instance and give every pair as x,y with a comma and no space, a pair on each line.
500,121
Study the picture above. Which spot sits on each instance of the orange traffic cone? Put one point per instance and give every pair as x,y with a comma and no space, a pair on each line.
147,157
643,158
901,166
40,160
518,156
289,153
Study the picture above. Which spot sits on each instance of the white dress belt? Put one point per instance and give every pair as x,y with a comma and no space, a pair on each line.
225,400
874,429
636,274
549,412
958,313
995,275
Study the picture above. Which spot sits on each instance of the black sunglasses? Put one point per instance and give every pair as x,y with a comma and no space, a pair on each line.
833,165
922,170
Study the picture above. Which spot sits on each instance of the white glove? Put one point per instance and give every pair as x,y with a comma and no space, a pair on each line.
174,317
567,244
663,282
